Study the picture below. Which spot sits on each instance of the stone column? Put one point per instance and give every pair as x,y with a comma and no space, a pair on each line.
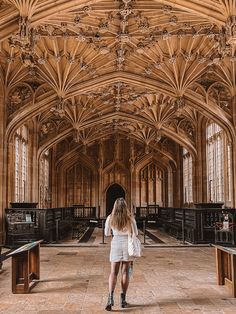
233,154
3,166
34,193
132,179
170,187
53,180
177,188
101,210
199,166
180,176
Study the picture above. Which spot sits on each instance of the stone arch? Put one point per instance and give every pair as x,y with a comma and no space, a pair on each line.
188,5
113,192
196,102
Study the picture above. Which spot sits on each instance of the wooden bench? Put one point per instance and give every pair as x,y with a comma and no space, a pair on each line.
198,223
172,221
226,267
25,267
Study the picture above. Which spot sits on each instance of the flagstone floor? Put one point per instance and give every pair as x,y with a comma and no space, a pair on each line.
165,280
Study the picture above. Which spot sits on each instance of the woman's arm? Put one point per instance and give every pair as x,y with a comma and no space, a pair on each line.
135,228
107,230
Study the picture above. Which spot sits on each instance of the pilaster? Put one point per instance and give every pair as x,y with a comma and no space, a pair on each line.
3,154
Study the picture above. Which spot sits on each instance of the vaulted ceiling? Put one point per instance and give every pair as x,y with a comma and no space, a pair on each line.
148,70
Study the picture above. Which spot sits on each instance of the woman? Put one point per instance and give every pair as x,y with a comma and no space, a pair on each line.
121,224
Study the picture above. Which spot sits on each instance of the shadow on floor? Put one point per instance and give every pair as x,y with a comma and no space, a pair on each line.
132,306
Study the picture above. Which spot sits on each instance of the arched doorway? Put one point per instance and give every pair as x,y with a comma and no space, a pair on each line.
113,192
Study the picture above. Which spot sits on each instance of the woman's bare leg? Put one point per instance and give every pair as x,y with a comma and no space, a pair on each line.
124,276
113,276
112,284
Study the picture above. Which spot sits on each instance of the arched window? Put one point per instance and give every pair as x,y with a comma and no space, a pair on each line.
215,163
21,162
44,179
187,177
229,175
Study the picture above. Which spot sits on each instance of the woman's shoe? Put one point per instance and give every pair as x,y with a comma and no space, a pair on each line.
110,302
123,303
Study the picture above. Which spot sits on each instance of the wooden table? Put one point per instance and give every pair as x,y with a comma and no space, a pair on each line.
226,267
25,267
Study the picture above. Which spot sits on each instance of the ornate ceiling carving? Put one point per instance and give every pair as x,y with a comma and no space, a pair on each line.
53,49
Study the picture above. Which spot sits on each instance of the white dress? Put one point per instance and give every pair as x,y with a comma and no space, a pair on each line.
119,243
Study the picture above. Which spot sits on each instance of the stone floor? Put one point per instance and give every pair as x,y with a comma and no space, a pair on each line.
165,280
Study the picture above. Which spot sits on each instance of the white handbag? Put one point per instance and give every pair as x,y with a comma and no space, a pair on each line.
134,244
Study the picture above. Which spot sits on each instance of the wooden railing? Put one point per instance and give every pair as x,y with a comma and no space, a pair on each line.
147,212
84,212
195,225
29,224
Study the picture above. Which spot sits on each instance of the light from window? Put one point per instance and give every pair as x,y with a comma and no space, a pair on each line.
229,181
17,167
215,163
187,177
21,160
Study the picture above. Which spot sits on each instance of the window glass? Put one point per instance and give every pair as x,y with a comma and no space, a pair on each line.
21,160
215,163
187,177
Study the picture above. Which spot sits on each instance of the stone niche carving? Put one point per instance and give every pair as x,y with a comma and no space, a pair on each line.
231,30
188,128
18,97
47,127
168,145
62,148
51,127
221,95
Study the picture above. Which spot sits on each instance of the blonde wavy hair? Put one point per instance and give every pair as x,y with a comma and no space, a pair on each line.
120,216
